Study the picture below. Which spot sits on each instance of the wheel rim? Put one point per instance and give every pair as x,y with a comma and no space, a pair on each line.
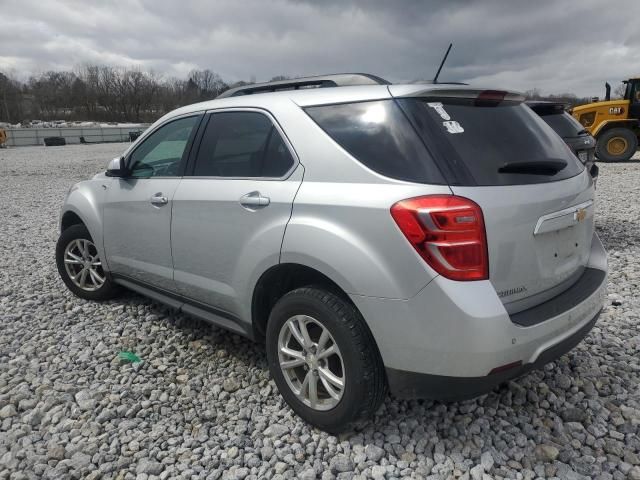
82,264
311,362
617,146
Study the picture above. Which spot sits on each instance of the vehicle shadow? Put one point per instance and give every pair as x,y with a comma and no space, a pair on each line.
617,233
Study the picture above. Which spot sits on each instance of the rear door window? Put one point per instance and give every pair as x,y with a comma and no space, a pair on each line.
379,136
474,140
242,145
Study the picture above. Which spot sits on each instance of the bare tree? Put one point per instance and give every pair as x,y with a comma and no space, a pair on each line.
105,93
209,85
619,91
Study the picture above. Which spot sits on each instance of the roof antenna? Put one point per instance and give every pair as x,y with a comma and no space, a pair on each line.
435,79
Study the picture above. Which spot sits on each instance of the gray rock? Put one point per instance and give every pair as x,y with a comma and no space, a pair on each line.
230,385
149,467
574,415
276,430
85,400
477,472
8,411
55,452
308,474
281,467
266,452
341,463
240,473
374,453
546,453
80,461
634,473
487,461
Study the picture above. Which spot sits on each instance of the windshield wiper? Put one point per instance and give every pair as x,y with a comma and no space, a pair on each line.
539,167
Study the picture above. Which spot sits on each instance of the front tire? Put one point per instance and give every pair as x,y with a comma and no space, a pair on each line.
80,265
324,359
616,145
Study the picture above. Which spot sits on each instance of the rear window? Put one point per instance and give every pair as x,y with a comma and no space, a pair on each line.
564,124
379,136
472,141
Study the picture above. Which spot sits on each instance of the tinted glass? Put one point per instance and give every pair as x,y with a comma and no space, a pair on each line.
636,91
564,124
379,135
473,140
241,144
159,155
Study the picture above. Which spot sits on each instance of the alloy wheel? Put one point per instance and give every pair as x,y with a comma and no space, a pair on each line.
83,265
311,362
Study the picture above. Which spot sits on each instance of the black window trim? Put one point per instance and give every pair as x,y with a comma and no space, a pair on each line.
187,149
191,164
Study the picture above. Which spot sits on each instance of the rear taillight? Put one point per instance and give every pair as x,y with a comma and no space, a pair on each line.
448,232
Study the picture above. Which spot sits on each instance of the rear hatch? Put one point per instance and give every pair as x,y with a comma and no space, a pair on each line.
536,199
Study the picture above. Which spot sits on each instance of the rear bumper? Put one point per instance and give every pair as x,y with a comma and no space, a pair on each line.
446,341
405,384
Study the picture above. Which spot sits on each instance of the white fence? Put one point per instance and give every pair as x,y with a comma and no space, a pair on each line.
22,137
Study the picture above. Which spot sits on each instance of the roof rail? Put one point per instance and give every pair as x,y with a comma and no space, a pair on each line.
334,80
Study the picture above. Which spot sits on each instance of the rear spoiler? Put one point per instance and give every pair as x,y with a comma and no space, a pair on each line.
446,91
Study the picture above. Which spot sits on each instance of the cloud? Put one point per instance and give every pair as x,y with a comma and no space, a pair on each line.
554,46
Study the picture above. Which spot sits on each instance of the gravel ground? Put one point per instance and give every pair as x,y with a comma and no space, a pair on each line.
201,404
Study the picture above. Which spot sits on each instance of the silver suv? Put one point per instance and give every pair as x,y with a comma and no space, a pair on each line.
435,240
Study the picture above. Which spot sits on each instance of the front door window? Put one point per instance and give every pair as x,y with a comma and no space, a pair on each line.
160,154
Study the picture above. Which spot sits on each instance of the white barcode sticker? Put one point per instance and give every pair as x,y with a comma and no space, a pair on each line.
439,108
453,127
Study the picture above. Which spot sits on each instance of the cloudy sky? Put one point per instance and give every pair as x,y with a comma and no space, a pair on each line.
554,45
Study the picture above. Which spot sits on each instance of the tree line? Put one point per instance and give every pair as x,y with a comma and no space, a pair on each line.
569,99
112,94
104,93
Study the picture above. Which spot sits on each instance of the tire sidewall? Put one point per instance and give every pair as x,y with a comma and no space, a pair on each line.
74,232
337,418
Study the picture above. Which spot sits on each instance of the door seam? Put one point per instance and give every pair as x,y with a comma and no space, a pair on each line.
290,212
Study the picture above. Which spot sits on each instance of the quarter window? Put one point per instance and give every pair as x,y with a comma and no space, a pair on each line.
379,136
160,154
242,144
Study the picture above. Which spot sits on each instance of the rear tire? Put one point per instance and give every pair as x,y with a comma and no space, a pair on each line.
357,362
80,266
616,145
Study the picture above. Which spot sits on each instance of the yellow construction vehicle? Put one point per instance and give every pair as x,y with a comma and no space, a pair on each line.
3,137
614,123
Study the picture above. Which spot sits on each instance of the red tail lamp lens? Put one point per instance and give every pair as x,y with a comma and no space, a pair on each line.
490,98
448,232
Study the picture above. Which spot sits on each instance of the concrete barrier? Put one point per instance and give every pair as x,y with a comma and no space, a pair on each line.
22,137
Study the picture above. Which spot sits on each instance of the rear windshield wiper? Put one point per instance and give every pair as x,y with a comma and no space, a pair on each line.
539,167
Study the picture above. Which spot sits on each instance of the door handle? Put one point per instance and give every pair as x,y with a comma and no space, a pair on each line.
254,200
159,199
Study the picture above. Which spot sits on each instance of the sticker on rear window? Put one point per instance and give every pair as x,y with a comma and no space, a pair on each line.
438,107
453,127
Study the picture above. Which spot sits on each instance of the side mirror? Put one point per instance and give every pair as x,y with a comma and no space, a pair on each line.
116,168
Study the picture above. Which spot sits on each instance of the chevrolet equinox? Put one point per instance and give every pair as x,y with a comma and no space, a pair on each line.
433,240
